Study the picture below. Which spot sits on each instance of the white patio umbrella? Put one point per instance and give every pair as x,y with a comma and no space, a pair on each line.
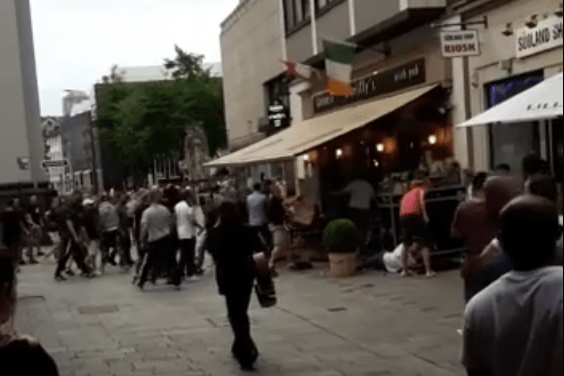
543,101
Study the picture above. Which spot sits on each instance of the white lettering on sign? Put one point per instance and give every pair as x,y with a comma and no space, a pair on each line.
548,34
460,43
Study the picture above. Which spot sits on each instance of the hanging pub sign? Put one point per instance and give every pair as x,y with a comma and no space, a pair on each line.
548,34
383,82
278,115
460,43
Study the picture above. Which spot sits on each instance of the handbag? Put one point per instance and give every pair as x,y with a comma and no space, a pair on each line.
264,287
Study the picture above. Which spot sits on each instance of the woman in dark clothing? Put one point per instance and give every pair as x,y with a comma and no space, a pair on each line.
232,246
19,355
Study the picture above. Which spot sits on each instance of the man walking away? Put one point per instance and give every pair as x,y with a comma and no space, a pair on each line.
257,207
186,228
109,232
156,225
74,246
514,326
362,198
414,224
472,225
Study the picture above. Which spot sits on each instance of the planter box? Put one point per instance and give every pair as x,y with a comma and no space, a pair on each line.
342,265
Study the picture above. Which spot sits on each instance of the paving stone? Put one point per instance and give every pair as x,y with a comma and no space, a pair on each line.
389,326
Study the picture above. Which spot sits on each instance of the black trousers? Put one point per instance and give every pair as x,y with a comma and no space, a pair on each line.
160,253
265,233
69,248
125,244
238,300
187,266
361,219
110,240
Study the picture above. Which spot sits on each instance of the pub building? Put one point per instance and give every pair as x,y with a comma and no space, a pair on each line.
396,122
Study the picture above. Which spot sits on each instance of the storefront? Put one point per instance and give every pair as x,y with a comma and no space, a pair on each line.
521,48
395,125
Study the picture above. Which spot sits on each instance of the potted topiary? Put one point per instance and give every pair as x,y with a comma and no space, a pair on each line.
340,239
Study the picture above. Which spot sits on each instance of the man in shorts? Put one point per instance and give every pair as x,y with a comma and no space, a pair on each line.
414,225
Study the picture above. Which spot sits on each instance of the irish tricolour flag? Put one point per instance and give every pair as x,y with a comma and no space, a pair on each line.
338,64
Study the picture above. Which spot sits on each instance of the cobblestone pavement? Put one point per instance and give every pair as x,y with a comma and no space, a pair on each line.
371,325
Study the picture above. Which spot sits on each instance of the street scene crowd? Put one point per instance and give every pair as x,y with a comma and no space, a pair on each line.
512,268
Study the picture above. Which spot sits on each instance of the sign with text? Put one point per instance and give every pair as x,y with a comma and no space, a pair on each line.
278,115
548,34
460,43
49,164
385,82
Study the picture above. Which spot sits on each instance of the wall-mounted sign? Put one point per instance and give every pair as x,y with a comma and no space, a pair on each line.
460,43
278,115
23,163
548,34
46,164
384,82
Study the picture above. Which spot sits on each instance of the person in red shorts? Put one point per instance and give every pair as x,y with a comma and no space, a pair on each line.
414,225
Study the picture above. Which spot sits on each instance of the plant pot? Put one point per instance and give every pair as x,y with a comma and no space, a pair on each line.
342,265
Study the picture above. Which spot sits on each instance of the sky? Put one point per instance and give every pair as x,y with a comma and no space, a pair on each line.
77,42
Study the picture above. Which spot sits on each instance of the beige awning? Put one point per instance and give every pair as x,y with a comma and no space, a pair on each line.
314,132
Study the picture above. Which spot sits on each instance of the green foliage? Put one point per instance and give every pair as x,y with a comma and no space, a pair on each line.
341,236
144,120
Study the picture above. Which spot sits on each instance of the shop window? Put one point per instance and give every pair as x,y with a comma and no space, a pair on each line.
509,143
500,91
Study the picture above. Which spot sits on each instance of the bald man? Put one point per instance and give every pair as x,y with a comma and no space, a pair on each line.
514,326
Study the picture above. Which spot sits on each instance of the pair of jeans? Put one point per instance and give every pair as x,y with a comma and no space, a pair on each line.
187,266
238,301
160,253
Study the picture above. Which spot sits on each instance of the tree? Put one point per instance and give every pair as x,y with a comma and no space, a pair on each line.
146,120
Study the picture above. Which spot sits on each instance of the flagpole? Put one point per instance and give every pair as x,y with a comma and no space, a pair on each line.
314,27
283,28
352,16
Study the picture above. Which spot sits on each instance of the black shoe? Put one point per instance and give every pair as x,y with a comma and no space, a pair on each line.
23,263
69,272
141,286
40,253
60,278
33,262
248,367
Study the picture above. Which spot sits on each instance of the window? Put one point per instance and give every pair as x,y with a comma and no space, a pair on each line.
296,12
321,4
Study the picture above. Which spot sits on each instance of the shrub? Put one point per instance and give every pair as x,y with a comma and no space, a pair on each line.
341,236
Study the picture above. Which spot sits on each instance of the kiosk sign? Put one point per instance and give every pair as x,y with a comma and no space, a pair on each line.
460,43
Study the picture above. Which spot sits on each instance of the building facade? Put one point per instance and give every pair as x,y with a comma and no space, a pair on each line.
54,151
398,61
515,55
252,47
82,151
21,144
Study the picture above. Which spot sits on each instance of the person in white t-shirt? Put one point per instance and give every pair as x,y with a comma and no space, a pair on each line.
187,227
514,326
362,198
